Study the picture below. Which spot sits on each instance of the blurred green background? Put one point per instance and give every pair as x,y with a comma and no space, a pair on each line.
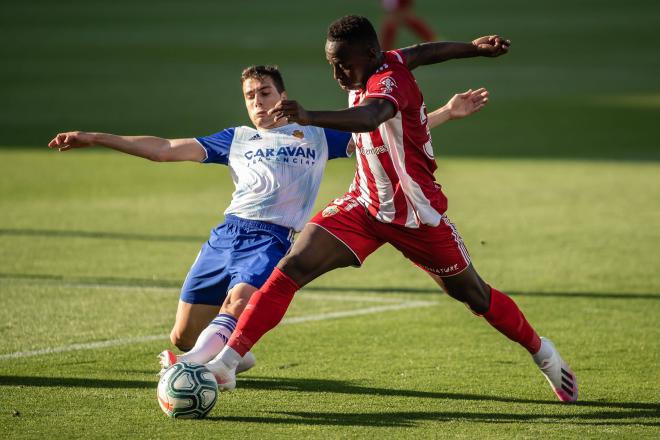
93,244
581,81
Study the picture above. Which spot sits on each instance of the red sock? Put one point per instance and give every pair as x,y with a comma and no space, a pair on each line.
263,312
506,317
420,28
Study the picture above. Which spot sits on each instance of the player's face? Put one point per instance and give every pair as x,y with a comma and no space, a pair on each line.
352,65
260,96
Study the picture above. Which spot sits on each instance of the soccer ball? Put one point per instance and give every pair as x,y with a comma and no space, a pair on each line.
187,390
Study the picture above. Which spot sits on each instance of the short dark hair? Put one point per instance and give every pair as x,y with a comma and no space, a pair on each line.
260,72
353,29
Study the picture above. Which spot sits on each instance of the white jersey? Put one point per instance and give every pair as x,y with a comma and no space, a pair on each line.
277,172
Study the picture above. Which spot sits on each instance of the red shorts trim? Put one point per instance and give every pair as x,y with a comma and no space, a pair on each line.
436,249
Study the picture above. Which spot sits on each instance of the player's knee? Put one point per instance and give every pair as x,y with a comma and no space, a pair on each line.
479,299
475,295
235,307
295,266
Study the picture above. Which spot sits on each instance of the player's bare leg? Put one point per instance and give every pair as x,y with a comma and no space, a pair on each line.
190,320
214,337
314,253
502,313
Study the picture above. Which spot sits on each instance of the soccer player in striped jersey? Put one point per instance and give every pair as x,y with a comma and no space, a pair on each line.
276,168
394,198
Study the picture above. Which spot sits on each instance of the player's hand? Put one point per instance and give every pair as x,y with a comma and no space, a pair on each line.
71,139
291,111
350,148
492,45
466,103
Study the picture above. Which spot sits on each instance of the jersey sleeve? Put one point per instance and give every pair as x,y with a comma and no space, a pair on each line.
337,143
217,146
391,83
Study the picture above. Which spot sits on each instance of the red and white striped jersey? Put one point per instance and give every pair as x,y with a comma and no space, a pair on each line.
395,164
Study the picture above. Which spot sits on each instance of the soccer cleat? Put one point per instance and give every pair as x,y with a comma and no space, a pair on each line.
248,361
166,359
225,376
559,374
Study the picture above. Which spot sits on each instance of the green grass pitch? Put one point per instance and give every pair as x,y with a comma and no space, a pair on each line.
94,248
555,188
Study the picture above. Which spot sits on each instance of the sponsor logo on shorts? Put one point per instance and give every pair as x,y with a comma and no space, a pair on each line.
442,270
330,211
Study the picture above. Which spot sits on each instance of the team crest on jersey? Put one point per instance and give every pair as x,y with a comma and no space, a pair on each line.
330,211
299,134
387,84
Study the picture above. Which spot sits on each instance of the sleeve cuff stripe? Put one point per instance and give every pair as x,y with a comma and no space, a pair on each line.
206,151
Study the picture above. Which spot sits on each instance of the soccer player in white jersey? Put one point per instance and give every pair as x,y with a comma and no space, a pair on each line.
276,168
394,198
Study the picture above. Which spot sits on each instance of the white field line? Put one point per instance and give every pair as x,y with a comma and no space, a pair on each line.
294,320
358,312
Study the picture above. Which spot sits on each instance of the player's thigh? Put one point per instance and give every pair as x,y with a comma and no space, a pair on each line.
438,250
237,298
441,253
338,236
190,320
315,252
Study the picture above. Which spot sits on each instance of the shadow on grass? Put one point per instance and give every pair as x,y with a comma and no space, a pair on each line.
77,382
346,387
629,413
50,279
99,235
410,418
638,411
395,290
148,282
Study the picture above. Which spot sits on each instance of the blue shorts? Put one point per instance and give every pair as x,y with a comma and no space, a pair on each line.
238,251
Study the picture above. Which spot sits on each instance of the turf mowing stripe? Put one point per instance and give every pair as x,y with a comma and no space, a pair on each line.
139,339
76,347
358,312
307,294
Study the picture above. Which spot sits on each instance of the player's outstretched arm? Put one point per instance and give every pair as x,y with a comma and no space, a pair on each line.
359,119
437,52
459,106
148,147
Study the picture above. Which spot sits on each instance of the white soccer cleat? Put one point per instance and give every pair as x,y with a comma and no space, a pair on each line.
166,359
559,374
248,361
225,376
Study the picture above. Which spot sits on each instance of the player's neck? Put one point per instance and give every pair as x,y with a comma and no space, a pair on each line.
378,61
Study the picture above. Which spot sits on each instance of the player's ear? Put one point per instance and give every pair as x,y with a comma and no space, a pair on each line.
373,50
283,95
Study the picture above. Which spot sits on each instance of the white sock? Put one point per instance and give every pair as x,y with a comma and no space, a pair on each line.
545,352
229,357
211,341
